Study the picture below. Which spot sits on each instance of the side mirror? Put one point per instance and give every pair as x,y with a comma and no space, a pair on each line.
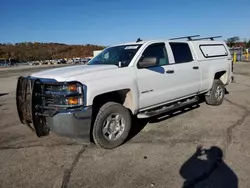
147,62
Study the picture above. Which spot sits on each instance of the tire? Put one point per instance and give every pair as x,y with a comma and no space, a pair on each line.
107,114
212,98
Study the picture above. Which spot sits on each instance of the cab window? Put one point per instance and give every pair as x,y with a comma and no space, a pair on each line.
181,52
158,51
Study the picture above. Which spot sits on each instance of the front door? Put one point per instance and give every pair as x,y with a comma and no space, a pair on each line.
156,84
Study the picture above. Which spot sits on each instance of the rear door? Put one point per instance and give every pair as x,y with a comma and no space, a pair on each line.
187,70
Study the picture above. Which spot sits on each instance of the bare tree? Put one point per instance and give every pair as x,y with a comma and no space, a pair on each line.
231,41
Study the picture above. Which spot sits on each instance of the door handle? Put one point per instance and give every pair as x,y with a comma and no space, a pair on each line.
195,67
170,71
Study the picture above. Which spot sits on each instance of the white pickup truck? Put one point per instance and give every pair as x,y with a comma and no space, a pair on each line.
96,102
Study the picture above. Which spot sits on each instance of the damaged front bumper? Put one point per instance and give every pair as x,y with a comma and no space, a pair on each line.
41,118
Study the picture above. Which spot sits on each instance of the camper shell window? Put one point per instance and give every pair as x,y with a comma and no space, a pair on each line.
213,50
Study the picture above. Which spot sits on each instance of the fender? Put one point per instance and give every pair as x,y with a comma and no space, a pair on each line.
111,84
213,73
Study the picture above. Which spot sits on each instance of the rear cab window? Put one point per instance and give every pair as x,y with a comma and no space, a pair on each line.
181,52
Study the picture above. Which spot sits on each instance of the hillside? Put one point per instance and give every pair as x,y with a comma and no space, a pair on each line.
43,51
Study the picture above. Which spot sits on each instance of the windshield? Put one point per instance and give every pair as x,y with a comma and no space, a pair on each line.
116,54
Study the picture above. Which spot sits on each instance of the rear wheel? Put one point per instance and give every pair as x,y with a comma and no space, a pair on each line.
216,95
112,125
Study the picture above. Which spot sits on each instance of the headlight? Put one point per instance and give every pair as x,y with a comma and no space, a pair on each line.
72,87
74,101
67,101
65,95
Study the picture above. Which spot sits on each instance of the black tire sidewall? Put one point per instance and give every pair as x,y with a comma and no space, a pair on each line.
103,113
220,83
212,100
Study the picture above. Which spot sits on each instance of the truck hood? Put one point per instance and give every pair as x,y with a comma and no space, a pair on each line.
64,73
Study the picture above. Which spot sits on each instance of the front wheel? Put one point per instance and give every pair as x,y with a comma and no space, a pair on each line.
216,95
112,125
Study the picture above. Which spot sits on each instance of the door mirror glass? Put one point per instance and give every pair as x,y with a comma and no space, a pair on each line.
147,62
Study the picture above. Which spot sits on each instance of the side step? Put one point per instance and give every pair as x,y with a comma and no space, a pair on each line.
167,108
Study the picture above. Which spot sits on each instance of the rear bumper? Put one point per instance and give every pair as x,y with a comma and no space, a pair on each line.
73,124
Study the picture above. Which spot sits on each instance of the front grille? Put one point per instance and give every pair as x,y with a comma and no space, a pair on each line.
45,99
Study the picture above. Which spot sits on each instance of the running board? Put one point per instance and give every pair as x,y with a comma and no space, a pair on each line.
165,109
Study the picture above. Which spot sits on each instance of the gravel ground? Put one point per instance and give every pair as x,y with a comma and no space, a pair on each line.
161,153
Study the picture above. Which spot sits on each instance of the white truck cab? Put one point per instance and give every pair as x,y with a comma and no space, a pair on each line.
144,78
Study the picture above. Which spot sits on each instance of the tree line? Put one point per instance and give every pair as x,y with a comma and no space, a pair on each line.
235,41
28,51
32,51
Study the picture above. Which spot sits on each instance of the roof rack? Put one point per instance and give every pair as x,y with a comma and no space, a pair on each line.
211,38
188,37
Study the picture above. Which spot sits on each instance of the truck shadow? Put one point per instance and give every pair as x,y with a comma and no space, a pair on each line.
206,168
2,94
139,124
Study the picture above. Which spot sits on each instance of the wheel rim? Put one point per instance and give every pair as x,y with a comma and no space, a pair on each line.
113,126
219,93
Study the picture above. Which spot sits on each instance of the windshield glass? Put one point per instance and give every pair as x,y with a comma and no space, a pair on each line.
116,54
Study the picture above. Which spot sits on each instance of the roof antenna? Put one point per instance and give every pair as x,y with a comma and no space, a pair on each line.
138,40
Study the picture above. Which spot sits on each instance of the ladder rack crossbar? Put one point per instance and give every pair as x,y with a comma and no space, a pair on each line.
188,37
